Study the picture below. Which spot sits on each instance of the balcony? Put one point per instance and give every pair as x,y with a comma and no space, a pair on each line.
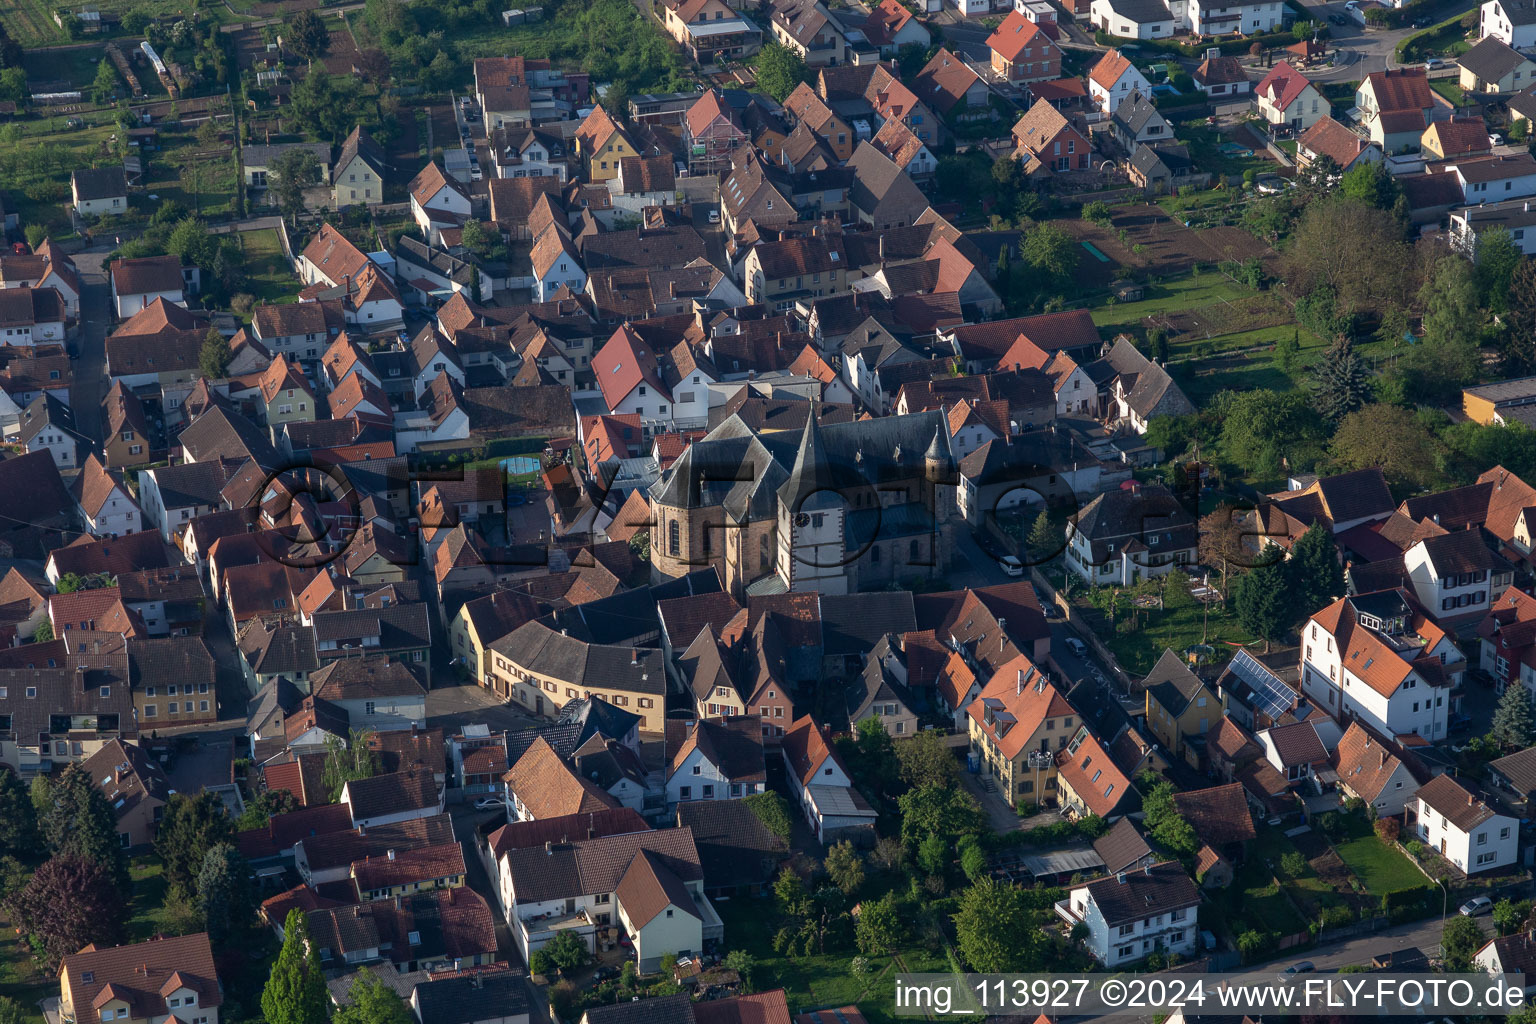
544,927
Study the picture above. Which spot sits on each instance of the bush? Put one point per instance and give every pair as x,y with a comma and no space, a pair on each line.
1388,829
1338,917
1253,945
1415,849
1293,864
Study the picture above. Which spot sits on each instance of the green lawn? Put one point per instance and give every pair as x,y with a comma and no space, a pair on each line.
1190,292
267,274
1138,642
1255,901
1450,89
22,977
1381,868
820,982
149,887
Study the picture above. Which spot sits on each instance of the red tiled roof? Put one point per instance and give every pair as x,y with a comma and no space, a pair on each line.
1014,34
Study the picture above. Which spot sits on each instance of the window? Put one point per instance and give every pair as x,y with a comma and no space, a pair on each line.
685,793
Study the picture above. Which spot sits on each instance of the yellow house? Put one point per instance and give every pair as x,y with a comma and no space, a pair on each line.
543,669
482,622
1016,727
1179,706
407,872
165,981
601,144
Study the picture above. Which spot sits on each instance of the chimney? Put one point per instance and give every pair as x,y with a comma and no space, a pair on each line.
634,655
1120,877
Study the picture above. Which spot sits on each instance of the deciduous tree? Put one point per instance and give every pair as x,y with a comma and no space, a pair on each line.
69,903
213,358
373,1002
1460,939
994,930
925,760
1390,437
347,762
306,34
779,70
1497,258
290,174
845,866
881,927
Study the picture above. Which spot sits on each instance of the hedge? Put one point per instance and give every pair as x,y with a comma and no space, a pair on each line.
1236,45
1436,37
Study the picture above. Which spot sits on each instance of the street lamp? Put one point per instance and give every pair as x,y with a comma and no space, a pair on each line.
1445,896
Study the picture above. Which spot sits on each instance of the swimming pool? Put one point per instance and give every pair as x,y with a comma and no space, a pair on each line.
519,464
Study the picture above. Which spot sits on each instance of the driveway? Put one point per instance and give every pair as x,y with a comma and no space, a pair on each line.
453,707
1371,50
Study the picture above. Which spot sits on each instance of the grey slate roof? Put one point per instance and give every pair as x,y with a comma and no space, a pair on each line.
855,623
1491,59
470,998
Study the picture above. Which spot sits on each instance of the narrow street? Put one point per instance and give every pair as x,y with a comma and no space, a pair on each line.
89,386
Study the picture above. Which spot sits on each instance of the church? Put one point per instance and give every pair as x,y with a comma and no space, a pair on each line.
837,509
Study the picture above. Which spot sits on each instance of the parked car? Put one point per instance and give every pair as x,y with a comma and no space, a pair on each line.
1076,646
488,803
1011,565
1473,907
1431,63
1496,138
1338,19
1304,967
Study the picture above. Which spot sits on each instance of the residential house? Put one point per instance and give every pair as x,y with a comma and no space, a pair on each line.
808,28
1286,98
1507,640
1136,122
1133,19
396,797
48,425
891,26
1494,178
1127,535
29,316
880,692
1374,770
359,172
822,786
528,153
1133,914
1329,139
1380,658
127,428
1022,52
949,86
135,788
883,197
377,692
1222,77
600,143
1180,707
137,283
1016,726
1458,823
1088,782
1113,78
1493,66
544,669
1455,575
437,200
1468,224
102,498
1396,106
1512,22
1045,139
1138,388
717,759
99,191
150,982
710,30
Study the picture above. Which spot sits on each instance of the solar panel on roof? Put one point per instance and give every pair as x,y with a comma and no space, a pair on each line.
1270,693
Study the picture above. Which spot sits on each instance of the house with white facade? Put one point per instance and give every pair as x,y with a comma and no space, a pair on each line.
1135,913
823,788
378,693
1456,575
632,381
719,759
1285,97
137,283
48,425
1113,78
1133,19
1512,22
1380,658
99,191
395,797
1459,825
1124,536
102,498
1225,17
648,883
1371,769
437,201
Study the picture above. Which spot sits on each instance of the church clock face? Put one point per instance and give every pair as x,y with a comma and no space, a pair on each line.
802,520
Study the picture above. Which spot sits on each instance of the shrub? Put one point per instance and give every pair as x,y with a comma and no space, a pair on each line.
1338,916
1253,945
1293,864
1332,825
1388,829
1415,849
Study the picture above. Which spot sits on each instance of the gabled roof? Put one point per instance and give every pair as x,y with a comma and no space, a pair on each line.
1456,802
1014,703
1400,89
1121,847
1086,767
1336,141
143,975
944,81
1282,86
548,787
1491,59
1364,762
649,887
1109,69
431,180
359,144
1014,34
147,274
1219,814
1136,895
